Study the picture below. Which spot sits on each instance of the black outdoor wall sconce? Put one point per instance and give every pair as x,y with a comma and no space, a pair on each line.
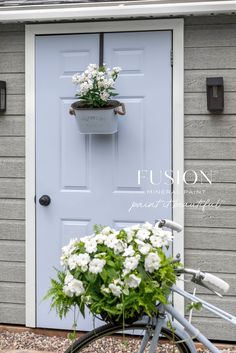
215,94
3,96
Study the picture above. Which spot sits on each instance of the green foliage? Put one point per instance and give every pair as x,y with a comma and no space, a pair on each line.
97,228
133,300
59,300
194,306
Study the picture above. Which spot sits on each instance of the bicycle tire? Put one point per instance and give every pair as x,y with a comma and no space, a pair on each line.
84,343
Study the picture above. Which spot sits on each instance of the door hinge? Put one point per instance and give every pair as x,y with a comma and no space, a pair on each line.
171,58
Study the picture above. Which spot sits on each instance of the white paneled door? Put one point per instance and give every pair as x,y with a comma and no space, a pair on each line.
105,179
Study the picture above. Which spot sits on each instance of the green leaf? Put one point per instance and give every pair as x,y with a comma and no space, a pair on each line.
104,276
111,263
194,306
97,228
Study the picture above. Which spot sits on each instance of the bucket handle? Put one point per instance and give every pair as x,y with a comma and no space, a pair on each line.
72,111
120,109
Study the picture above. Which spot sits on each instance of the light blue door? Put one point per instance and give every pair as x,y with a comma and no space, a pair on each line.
106,179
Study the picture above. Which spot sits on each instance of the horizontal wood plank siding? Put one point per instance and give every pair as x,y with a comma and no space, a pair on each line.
202,238
12,63
210,216
217,328
195,80
9,27
12,173
222,35
213,126
12,126
12,250
196,103
12,272
12,146
224,194
12,230
210,58
12,167
15,104
12,188
12,209
12,313
210,146
15,82
12,293
211,260
11,40
219,171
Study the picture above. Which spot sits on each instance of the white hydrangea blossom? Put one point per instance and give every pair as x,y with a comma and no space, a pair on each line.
106,230
96,265
143,234
67,250
116,70
104,96
90,244
100,238
136,227
156,241
115,289
129,251
145,248
105,290
148,226
96,79
119,247
111,241
152,262
167,236
68,278
72,262
131,263
130,234
83,260
73,286
133,281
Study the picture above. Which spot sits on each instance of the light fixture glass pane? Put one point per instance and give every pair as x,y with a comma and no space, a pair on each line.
2,99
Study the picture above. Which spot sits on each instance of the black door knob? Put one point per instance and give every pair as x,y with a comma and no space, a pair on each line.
44,200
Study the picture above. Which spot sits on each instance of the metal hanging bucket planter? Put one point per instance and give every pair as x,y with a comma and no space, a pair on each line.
102,120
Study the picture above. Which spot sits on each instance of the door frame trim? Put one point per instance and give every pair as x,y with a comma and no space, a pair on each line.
177,28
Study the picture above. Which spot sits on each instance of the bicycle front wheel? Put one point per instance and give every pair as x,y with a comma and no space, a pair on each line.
113,338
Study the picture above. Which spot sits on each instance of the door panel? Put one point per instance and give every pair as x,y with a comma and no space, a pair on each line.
94,178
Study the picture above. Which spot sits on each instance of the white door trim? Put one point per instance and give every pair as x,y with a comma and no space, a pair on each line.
177,26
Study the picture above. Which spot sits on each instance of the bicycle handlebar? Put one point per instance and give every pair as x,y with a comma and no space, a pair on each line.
198,276
201,277
216,281
170,224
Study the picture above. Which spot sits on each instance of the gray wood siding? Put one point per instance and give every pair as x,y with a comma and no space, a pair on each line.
12,183
210,145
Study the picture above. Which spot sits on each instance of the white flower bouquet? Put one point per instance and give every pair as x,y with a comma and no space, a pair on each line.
120,274
96,85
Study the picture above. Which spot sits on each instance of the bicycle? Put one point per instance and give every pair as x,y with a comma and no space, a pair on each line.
148,334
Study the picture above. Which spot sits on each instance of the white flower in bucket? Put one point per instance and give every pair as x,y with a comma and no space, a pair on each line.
95,86
122,272
96,111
